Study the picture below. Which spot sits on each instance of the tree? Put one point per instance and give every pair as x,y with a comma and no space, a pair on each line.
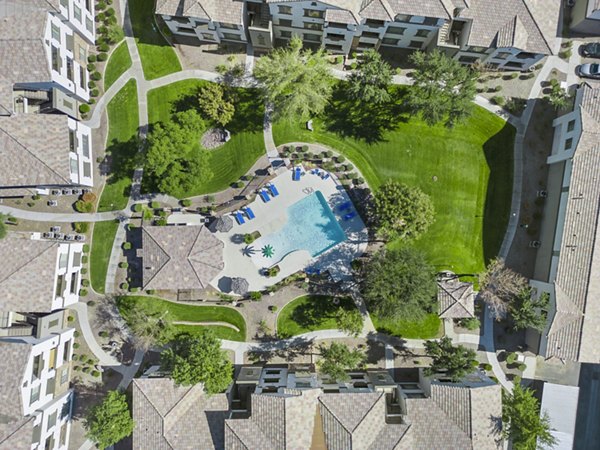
114,34
443,88
151,324
522,422
198,359
212,102
174,161
499,285
110,421
349,321
337,359
297,82
2,226
453,362
372,79
400,284
401,211
529,312
558,97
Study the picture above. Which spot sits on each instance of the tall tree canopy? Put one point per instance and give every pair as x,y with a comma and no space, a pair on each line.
401,211
174,161
150,324
337,359
371,80
297,82
529,311
349,321
443,88
213,103
453,362
522,422
110,421
499,286
198,359
400,284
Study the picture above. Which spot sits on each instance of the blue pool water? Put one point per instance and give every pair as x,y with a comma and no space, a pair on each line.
311,226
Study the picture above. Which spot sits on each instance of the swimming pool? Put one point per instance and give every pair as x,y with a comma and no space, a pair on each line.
311,226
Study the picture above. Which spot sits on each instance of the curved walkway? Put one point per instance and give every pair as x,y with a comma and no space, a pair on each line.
84,322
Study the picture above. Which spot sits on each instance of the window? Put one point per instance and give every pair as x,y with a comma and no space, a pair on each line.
74,283
568,144
366,45
82,53
468,59
49,445
389,41
55,32
73,148
403,18
85,145
60,281
89,24
525,55
313,26
314,13
56,63
430,21
232,37
208,36
334,48
70,41
35,394
477,49
342,26
66,351
70,69
571,125
335,37
53,323
52,359
286,34
74,169
370,35
422,33
396,30
82,81
415,44
285,22
77,12
63,435
312,37
38,366
52,419
229,26
374,23
87,169
65,3
64,376
503,55
283,9
88,5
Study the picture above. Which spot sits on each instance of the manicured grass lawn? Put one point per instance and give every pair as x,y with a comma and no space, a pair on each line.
102,241
310,313
199,313
428,328
472,165
231,160
118,63
122,147
158,57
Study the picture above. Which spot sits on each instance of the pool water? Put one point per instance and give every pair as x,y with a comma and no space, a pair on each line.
311,226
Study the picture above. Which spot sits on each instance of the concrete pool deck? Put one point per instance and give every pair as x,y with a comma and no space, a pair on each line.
271,216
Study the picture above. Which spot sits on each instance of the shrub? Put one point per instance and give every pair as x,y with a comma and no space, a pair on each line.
126,245
91,101
238,184
511,358
125,286
104,47
151,291
487,367
248,238
84,108
13,220
100,6
522,367
83,292
84,259
89,197
358,181
91,67
84,207
81,227
109,12
112,20
255,295
84,270
471,323
100,17
76,334
95,373
96,76
86,248
83,358
138,207
91,303
102,56
162,222
498,88
273,308
340,158
86,369
565,54
131,226
103,334
76,345
353,66
498,100
85,282
123,265
134,289
31,204
514,75
154,205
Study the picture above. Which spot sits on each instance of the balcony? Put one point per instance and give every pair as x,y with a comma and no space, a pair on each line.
335,37
453,33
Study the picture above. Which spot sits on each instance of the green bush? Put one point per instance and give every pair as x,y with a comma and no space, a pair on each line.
86,369
126,245
102,56
95,373
522,367
255,295
84,270
112,20
83,358
91,84
76,334
84,108
248,238
511,358
487,367
125,286
100,17
134,289
100,6
91,303
186,202
514,75
96,76
340,158
154,205
565,54
13,220
151,291
238,184
91,101
273,308
83,292
138,207
91,67
81,227
123,265
103,48
498,100
85,282
109,12
76,345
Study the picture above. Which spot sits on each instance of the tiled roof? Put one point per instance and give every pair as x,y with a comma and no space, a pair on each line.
168,416
350,409
427,8
180,257
455,299
576,323
377,10
13,362
34,150
27,273
228,11
17,434
340,16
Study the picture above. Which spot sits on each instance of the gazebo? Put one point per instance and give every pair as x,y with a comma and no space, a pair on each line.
239,286
222,224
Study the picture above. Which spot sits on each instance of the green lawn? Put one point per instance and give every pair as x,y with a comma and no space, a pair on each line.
472,164
199,313
231,160
429,328
158,57
309,313
102,241
118,63
121,146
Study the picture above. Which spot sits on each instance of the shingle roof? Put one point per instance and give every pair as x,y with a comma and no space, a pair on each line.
180,257
340,16
34,150
168,416
27,273
576,323
228,11
350,409
13,362
17,434
455,299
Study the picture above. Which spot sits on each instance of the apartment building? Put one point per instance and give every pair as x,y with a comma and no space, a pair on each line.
38,275
585,17
35,398
291,407
508,35
567,261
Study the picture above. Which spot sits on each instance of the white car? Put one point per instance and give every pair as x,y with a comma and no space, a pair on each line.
590,71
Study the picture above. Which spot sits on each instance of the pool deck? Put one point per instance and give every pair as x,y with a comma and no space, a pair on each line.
272,216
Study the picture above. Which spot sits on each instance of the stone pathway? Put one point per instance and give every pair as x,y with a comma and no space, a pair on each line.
105,359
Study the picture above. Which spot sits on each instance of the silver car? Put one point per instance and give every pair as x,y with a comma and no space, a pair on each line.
590,71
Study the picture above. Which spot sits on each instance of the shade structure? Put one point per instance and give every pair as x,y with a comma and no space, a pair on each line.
239,286
222,224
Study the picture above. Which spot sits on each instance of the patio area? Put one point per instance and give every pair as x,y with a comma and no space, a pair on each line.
244,260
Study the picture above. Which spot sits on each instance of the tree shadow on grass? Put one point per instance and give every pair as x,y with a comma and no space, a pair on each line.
363,120
122,158
499,154
318,309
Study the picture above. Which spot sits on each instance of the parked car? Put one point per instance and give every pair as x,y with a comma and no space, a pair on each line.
590,71
591,50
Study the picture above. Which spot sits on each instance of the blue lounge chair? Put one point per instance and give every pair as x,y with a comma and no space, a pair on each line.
249,213
239,217
315,172
350,215
296,174
264,196
325,175
273,189
345,205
